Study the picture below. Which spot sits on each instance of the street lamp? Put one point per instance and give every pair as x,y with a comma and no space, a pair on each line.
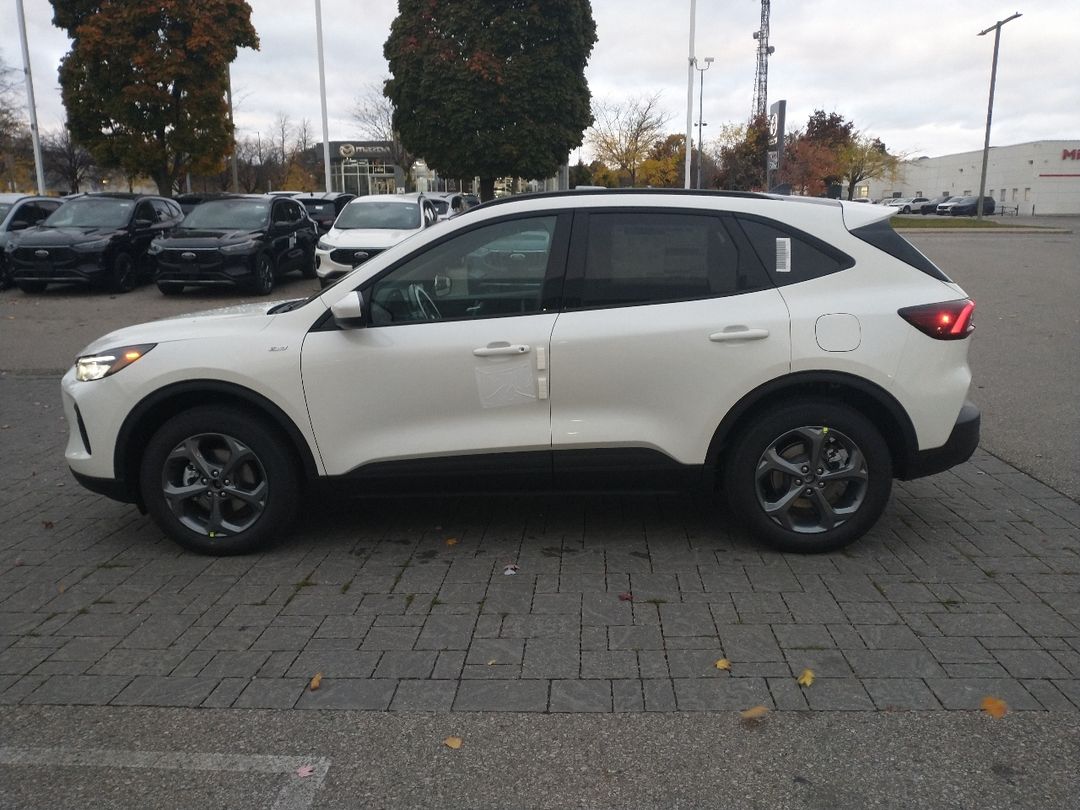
701,111
996,28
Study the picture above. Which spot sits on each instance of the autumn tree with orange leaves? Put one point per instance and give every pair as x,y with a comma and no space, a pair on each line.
490,89
144,83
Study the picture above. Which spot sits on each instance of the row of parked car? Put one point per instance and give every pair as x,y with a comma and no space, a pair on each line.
114,241
944,205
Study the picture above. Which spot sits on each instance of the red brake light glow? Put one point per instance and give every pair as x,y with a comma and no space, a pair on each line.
949,320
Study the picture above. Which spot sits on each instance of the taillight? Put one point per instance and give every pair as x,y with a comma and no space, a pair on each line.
949,320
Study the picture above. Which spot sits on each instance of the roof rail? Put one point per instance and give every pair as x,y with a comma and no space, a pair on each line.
635,191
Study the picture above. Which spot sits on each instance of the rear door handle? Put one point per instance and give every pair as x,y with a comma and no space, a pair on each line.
495,349
737,333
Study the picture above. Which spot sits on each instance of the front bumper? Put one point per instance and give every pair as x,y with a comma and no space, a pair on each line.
957,449
208,269
64,266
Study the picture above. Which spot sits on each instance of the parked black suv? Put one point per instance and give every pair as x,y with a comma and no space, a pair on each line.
17,213
324,207
242,241
95,239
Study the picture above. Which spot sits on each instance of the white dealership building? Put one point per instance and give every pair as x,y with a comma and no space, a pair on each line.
1040,177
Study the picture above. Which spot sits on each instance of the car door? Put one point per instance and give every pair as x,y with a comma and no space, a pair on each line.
669,319
451,363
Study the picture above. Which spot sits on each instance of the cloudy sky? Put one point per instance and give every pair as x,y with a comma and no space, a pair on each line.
911,73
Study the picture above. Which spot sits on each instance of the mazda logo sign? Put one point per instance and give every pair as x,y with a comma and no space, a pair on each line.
187,256
41,254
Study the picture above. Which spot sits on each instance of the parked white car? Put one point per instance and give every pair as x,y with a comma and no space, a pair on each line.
794,354
366,227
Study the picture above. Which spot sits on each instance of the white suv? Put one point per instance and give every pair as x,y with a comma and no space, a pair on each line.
366,227
795,354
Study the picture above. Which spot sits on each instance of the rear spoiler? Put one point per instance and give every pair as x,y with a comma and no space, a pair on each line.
856,215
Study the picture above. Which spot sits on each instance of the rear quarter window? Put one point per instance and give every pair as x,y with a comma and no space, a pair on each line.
789,255
882,236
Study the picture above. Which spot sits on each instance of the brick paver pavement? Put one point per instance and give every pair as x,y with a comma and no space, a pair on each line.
969,586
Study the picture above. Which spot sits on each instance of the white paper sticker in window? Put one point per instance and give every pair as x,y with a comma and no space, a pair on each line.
508,383
783,254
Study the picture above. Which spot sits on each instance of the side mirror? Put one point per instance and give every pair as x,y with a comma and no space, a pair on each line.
348,313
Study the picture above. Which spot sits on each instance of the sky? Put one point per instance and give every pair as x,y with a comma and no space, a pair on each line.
913,74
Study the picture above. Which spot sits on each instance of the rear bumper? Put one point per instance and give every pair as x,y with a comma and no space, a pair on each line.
961,444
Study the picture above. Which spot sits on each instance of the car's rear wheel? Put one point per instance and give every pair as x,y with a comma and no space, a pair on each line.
809,477
218,481
263,282
124,274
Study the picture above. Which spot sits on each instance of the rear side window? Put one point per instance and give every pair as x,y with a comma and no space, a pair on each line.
652,258
792,256
882,236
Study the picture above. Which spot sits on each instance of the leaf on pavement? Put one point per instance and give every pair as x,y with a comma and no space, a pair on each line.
807,677
626,597
316,682
723,663
304,771
451,541
48,524
995,707
755,713
452,743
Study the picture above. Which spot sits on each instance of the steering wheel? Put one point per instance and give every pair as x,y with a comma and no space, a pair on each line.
422,303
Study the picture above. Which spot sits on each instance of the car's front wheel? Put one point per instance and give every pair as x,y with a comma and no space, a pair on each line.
809,477
263,282
124,274
219,481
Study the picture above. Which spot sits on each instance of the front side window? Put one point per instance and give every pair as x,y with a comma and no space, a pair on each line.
491,271
650,258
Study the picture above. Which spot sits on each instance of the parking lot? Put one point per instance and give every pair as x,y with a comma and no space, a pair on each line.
968,587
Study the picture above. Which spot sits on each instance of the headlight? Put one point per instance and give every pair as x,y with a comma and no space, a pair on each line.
96,366
96,246
324,245
239,247
155,247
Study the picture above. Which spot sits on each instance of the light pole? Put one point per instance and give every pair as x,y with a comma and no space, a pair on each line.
35,135
691,61
996,28
701,111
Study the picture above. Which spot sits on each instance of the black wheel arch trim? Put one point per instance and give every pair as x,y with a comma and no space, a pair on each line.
151,412
847,388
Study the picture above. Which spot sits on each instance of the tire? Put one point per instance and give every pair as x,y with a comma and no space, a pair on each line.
907,209
307,268
6,281
263,281
242,463
762,466
170,289
31,286
124,274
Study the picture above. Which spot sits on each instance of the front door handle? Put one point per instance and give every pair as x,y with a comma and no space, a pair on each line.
737,333
495,349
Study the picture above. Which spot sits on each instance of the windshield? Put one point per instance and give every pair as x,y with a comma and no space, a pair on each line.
91,213
234,215
380,215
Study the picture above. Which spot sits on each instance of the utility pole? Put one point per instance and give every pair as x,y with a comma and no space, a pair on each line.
996,28
322,95
701,113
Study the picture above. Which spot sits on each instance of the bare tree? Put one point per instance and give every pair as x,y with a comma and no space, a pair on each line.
374,114
66,161
623,132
